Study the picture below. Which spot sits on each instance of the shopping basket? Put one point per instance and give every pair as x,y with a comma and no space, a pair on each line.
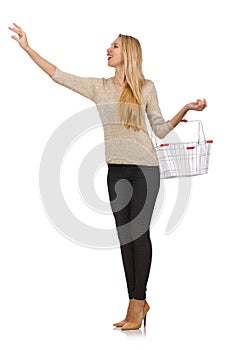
184,158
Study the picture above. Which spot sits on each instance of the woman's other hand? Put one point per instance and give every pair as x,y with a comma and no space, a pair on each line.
199,105
21,38
45,65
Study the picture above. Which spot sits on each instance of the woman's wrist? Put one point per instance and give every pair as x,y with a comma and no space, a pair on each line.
186,108
183,112
28,49
179,116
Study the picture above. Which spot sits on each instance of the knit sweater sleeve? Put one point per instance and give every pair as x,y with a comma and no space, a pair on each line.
159,126
85,86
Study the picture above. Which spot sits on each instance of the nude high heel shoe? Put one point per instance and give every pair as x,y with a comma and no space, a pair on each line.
136,325
121,323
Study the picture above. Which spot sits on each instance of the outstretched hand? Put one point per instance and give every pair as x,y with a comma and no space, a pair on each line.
199,105
22,38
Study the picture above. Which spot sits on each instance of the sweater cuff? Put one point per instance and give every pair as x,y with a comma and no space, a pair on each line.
170,127
54,76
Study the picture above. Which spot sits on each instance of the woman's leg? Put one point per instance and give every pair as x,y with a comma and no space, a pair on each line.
145,190
119,194
134,208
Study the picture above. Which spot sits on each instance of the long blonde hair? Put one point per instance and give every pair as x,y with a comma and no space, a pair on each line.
130,101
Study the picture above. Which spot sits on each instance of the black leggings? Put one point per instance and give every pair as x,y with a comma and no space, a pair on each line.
133,190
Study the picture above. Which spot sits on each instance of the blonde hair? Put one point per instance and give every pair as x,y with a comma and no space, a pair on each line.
130,101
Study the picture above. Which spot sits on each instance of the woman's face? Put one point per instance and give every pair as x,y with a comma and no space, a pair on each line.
114,53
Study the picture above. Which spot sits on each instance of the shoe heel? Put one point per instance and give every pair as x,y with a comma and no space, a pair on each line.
145,320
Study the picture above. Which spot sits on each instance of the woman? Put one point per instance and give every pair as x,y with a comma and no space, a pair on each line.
122,101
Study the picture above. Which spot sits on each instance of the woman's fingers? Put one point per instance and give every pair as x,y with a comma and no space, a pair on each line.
13,30
16,26
22,38
18,31
199,105
14,37
202,103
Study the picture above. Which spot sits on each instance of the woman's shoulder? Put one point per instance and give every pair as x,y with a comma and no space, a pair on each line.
148,83
148,86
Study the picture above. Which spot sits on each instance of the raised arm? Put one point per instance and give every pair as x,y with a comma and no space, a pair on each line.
46,66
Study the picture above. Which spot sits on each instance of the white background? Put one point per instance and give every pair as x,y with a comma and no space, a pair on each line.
56,294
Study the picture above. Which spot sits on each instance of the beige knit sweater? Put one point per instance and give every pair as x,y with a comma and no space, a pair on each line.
122,145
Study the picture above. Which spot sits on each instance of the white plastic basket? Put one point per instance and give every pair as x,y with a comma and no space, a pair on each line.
184,158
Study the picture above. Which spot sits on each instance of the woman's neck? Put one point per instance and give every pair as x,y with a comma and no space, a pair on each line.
119,76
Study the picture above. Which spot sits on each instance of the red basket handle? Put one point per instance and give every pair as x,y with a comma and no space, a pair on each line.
182,120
